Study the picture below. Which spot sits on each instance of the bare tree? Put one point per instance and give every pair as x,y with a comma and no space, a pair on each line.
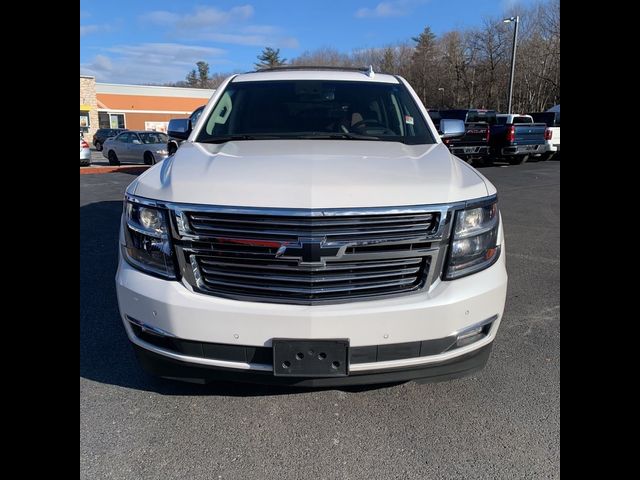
324,56
472,65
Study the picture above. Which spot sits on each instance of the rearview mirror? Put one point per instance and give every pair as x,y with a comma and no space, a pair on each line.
179,128
451,128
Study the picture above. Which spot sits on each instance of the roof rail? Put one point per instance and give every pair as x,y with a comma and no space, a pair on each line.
367,70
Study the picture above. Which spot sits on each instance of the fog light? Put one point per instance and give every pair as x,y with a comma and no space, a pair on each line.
469,339
470,333
474,333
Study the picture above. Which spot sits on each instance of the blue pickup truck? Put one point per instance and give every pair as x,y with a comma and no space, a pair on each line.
516,138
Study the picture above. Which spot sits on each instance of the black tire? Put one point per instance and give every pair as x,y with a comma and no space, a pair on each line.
519,159
486,161
172,148
113,158
98,146
85,164
149,159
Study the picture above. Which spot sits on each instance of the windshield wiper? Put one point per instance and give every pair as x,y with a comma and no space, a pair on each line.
230,138
312,136
340,135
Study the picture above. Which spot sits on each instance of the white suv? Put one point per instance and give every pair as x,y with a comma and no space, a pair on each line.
313,230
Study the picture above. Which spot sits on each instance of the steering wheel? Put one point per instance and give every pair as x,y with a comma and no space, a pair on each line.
372,123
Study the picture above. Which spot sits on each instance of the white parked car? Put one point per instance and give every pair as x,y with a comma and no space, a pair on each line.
85,152
313,230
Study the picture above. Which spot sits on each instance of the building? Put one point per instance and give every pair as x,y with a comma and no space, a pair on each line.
136,107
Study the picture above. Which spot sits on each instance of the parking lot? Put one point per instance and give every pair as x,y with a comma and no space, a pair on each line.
500,423
98,160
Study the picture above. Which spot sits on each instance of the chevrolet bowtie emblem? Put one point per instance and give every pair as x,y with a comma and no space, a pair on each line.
310,251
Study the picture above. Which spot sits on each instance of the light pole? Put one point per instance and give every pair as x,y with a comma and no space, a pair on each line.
441,89
515,19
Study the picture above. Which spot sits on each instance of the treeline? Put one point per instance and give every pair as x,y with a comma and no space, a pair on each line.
459,69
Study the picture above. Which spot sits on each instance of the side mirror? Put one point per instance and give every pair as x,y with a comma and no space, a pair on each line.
451,128
179,128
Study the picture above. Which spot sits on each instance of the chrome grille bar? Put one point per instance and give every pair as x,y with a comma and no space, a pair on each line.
250,254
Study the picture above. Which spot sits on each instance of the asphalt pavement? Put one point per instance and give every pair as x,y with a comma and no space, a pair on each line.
500,423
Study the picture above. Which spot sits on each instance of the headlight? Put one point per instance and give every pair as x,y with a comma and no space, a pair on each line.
147,244
473,242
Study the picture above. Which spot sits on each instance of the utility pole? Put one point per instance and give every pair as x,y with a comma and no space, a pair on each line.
515,19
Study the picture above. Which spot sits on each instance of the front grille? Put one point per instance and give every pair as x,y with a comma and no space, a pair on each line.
267,256
285,280
347,227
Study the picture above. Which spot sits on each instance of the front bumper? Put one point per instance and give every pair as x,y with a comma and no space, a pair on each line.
480,151
170,368
170,308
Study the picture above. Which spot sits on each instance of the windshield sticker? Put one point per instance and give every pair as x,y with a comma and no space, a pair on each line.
408,120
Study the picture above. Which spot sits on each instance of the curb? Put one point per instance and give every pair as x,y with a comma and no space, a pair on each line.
127,168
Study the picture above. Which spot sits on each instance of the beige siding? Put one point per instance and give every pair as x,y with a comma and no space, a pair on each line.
88,97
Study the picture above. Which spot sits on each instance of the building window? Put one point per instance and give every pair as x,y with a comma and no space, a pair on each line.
111,120
85,121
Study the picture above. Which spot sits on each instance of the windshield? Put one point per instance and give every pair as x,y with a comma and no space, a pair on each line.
522,120
482,116
471,116
303,109
154,137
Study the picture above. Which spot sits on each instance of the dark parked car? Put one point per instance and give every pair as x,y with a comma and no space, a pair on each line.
174,143
102,134
474,145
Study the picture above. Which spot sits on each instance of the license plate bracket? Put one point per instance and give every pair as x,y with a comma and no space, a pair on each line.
310,358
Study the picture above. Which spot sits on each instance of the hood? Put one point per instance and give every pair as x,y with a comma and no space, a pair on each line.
311,174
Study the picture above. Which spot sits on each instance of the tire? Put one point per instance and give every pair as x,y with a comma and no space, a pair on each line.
519,159
113,158
486,161
85,164
98,146
149,159
172,148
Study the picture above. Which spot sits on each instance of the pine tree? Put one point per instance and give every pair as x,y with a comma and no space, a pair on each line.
192,78
270,58
203,74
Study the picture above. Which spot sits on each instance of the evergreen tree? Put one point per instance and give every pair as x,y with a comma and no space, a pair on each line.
270,58
192,78
203,74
